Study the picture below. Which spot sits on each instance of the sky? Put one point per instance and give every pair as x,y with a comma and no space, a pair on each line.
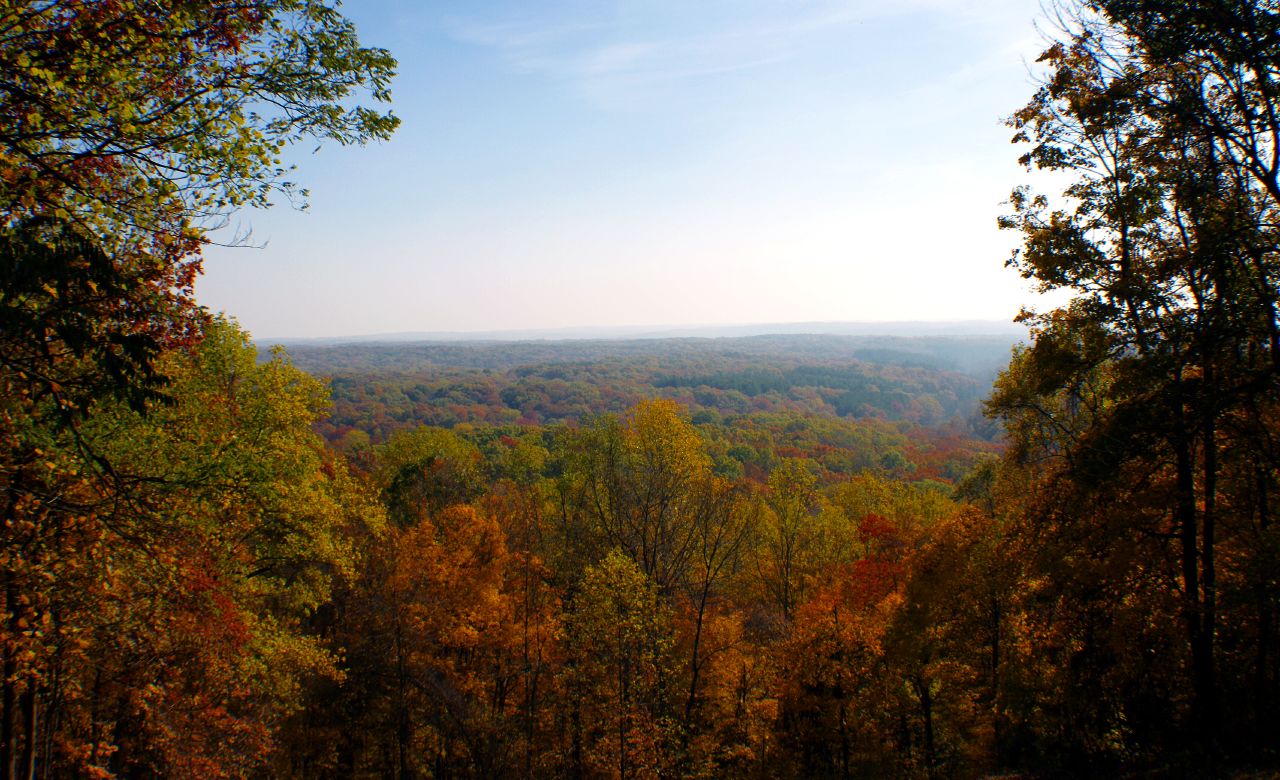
570,164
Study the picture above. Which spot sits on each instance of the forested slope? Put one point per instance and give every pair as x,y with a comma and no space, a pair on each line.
378,388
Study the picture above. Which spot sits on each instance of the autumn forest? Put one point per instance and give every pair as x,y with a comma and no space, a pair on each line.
821,556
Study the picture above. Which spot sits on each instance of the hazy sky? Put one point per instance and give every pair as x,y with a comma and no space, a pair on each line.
663,162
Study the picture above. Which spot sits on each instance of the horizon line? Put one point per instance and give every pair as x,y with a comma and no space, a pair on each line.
986,327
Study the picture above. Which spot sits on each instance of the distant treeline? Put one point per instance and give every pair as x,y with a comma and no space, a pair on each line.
980,356
383,388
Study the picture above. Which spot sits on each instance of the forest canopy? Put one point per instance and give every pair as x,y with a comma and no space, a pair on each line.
774,557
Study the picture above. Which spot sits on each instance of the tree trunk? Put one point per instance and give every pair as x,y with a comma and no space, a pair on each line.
695,665
1206,683
1263,686
995,680
403,731
624,708
926,711
9,698
1185,514
27,764
844,741
576,726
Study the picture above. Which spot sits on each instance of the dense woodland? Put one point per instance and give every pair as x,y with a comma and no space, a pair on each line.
615,559
931,381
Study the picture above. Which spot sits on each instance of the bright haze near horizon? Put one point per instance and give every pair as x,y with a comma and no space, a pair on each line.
607,164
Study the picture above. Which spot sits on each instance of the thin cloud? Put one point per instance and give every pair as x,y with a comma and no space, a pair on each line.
615,63
597,53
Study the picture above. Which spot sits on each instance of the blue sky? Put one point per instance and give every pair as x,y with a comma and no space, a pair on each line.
646,163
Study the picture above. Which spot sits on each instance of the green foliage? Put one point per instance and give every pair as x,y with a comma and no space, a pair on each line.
425,470
619,670
170,522
127,117
72,326
381,388
237,444
792,556
178,571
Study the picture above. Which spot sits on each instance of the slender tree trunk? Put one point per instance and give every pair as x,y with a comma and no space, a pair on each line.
695,664
530,723
121,729
30,701
844,741
9,698
95,710
624,707
1185,514
530,677
45,755
1263,687
926,711
1206,682
576,727
403,731
995,679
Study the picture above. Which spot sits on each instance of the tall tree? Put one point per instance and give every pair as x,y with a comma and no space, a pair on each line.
161,629
1152,384
618,674
127,130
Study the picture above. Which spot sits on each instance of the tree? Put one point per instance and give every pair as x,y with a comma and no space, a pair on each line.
1150,387
727,522
618,673
132,119
128,131
423,471
835,692
161,628
792,533
453,643
640,483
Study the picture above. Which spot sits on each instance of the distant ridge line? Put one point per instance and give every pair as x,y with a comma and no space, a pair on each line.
623,332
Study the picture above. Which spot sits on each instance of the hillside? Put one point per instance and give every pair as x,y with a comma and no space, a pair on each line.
382,387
